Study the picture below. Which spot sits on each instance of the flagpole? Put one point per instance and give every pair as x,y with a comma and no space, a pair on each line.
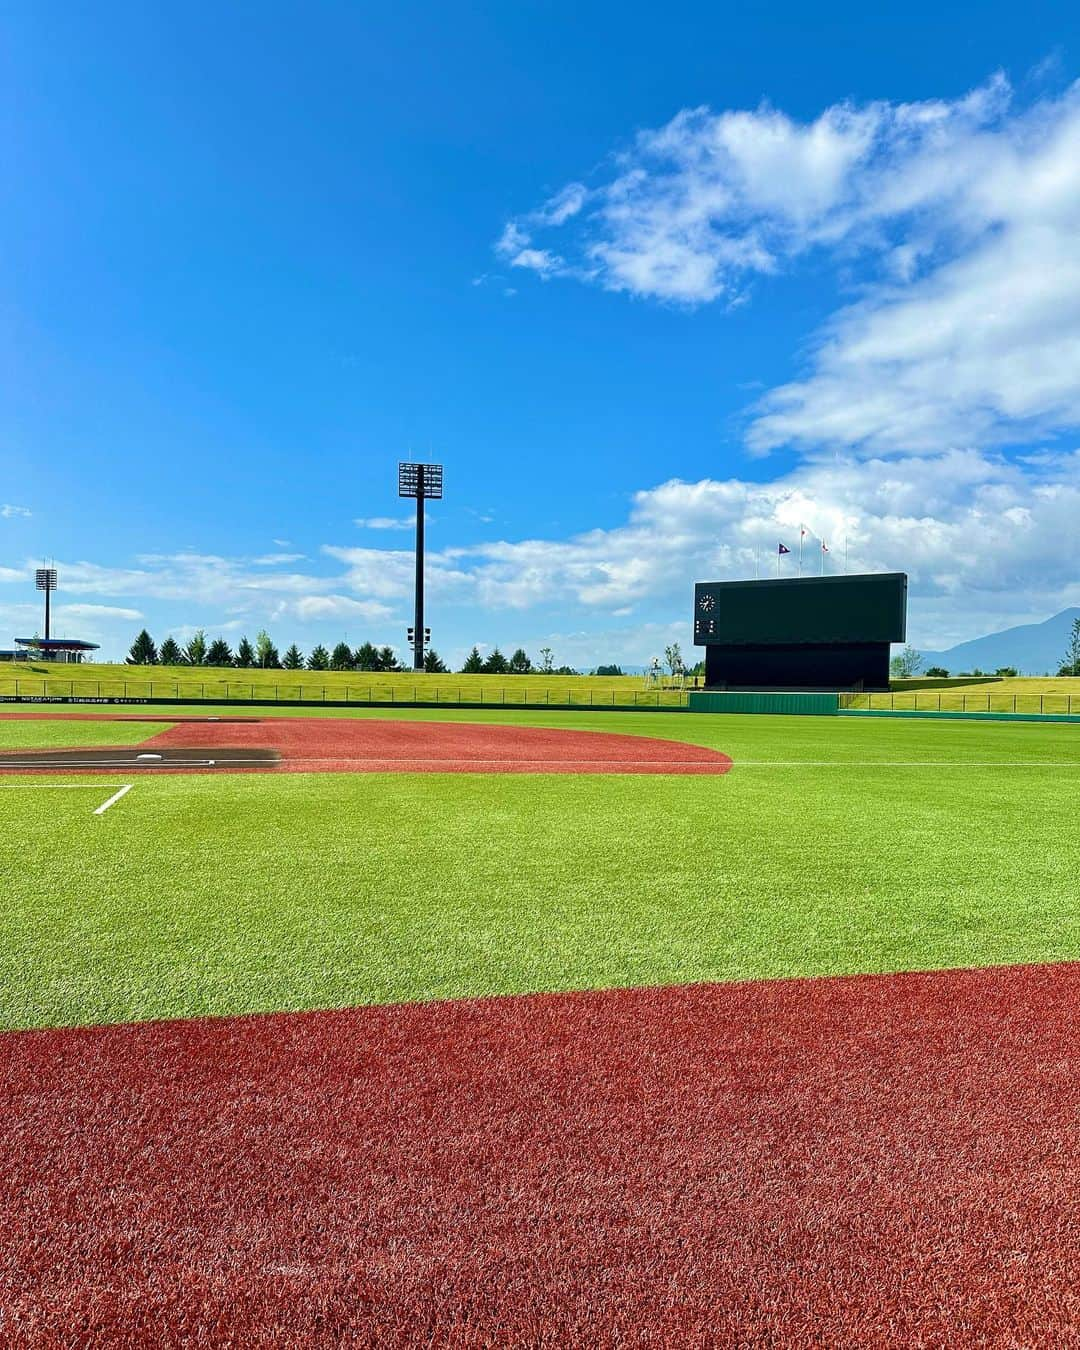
778,560
757,562
802,532
823,557
845,555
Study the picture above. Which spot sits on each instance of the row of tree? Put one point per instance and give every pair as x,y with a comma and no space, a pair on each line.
263,654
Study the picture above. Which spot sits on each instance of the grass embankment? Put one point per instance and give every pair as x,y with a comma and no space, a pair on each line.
70,733
1022,694
832,847
105,681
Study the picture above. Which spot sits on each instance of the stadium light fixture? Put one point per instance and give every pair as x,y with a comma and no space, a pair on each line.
45,580
425,483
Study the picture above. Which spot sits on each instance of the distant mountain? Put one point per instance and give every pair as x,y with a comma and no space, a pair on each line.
1033,648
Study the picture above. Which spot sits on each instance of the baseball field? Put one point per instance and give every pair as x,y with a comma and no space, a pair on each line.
462,1027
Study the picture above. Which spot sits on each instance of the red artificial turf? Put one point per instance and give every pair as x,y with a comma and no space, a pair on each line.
379,745
872,1160
347,745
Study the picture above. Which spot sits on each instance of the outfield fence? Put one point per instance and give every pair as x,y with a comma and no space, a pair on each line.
359,694
949,700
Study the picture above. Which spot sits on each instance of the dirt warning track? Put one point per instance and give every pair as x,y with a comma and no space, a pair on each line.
377,745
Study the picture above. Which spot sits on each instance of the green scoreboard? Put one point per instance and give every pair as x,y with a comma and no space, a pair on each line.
800,632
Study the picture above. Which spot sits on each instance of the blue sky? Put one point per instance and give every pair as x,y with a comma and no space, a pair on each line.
656,286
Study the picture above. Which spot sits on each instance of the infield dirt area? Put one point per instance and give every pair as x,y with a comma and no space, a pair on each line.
377,745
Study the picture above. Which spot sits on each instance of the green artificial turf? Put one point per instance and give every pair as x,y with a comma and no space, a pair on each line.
833,846
32,734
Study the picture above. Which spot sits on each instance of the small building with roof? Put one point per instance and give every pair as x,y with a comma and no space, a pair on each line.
69,651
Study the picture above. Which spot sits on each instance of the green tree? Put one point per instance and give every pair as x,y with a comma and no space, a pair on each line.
264,649
1007,672
319,658
195,651
219,653
905,665
546,667
474,663
366,657
387,660
170,654
342,657
143,652
609,670
937,673
673,657
1071,664
496,663
294,658
520,663
433,662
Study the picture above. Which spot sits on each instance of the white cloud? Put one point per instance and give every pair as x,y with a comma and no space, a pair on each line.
276,559
960,220
7,511
309,608
13,574
389,574
539,260
386,522
514,246
566,203
97,612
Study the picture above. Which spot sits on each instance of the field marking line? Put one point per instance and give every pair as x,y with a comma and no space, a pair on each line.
906,763
100,811
29,782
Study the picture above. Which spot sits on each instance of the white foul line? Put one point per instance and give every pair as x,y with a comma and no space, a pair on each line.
100,811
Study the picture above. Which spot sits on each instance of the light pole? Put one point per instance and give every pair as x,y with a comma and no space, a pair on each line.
45,577
424,482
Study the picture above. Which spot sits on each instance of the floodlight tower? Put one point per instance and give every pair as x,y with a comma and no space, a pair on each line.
424,482
45,577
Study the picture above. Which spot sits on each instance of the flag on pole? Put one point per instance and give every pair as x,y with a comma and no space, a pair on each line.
824,550
783,549
824,546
